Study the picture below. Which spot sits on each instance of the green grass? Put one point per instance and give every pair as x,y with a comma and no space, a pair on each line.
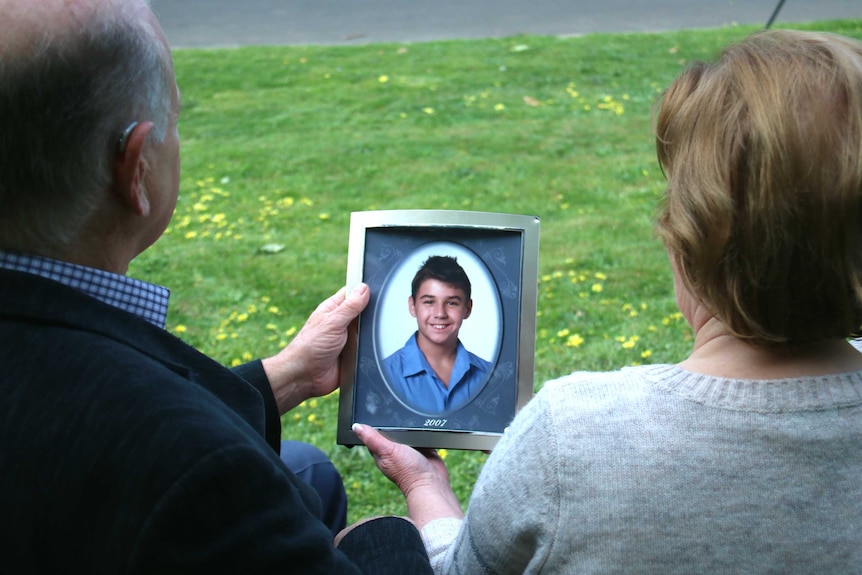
280,144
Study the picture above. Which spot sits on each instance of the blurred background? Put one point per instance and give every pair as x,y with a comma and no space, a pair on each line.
222,23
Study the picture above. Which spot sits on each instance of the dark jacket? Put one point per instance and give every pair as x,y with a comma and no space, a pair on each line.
124,450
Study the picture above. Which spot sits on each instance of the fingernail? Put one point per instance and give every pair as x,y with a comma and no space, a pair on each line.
357,428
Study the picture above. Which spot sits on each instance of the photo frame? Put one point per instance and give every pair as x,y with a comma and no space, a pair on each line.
499,254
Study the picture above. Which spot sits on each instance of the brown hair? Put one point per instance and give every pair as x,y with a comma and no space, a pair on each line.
763,211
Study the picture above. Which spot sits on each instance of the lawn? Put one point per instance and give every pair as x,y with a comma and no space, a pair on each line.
281,144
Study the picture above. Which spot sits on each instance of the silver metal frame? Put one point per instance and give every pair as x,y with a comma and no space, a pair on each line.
453,222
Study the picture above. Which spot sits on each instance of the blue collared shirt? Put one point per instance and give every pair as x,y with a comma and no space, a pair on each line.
413,380
145,300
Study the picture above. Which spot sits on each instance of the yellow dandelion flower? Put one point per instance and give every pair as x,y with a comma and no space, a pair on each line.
574,340
428,110
383,79
290,331
246,355
180,329
221,336
272,309
242,317
628,344
311,417
597,288
499,107
190,235
563,333
646,353
443,453
600,276
271,326
235,362
323,217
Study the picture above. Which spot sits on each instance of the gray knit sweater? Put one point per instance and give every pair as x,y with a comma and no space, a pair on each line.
658,470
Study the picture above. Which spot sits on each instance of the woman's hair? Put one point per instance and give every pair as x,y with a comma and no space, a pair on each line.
65,100
763,211
445,269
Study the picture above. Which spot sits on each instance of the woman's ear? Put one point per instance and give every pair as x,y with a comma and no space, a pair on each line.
130,168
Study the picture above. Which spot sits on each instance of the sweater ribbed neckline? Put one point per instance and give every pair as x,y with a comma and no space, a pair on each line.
765,396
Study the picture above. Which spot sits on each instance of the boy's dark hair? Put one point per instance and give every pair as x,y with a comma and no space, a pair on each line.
444,269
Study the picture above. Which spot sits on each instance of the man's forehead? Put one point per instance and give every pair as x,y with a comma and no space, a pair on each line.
450,291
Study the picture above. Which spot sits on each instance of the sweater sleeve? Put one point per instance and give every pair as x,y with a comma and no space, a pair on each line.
514,511
438,537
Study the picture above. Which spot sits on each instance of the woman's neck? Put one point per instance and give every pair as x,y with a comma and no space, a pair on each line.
717,352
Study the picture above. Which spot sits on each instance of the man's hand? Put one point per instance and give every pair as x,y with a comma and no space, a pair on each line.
308,366
420,475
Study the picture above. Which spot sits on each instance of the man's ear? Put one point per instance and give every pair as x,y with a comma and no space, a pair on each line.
469,308
130,168
411,305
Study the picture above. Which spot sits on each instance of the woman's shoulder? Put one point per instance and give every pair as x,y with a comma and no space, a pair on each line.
609,384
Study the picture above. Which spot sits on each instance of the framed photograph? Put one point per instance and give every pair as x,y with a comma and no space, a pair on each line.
443,356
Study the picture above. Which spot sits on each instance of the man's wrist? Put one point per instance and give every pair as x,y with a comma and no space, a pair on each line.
288,386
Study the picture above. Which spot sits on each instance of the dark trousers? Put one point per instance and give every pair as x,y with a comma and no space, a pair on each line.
313,466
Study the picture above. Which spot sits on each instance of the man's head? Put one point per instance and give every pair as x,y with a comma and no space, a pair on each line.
763,211
440,300
74,75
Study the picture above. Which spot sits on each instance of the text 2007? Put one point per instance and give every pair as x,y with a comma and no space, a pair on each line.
435,422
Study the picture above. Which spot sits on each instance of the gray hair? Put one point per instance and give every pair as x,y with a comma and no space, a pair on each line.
64,103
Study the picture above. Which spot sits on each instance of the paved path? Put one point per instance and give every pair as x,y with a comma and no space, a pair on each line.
211,23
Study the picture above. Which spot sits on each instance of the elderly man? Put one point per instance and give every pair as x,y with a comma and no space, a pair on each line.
122,450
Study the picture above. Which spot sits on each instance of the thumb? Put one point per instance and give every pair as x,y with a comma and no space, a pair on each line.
373,439
353,304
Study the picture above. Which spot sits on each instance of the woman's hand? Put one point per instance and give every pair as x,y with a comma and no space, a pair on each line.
420,475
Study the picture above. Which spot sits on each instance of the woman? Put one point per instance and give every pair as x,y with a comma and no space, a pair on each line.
746,457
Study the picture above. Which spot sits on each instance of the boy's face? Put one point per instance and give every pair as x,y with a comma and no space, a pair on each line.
439,309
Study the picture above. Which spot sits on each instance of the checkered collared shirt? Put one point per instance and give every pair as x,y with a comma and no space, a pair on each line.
145,300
